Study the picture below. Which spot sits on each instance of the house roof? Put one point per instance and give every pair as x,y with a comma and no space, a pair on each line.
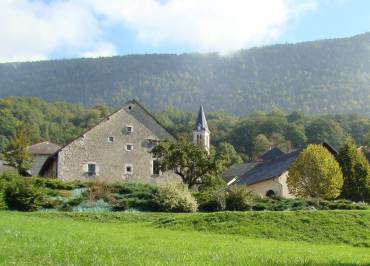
268,169
237,170
274,167
201,122
272,154
43,148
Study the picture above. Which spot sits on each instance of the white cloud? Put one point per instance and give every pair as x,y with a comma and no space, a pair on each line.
205,25
102,49
34,30
39,29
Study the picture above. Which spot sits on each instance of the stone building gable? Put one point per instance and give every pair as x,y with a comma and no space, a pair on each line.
113,149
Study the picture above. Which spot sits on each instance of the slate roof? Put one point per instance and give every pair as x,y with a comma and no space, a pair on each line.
272,154
201,122
237,170
43,148
269,169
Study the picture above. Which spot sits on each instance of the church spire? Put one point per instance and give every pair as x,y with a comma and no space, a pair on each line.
201,123
201,133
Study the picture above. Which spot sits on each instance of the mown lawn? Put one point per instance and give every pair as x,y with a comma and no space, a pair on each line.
55,239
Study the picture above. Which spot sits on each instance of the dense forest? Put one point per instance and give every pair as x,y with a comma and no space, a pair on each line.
327,76
250,135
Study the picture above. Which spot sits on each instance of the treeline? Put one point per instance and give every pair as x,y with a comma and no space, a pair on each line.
327,76
250,135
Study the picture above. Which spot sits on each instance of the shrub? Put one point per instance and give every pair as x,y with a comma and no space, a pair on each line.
211,201
2,199
174,198
238,198
69,204
53,183
99,190
21,194
134,195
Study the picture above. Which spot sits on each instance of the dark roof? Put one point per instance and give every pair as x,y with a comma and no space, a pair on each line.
269,169
201,122
272,154
237,170
43,148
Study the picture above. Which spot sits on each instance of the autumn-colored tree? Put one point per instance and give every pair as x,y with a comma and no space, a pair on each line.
315,174
17,154
356,172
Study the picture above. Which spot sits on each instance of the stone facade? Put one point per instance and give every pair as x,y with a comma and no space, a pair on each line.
118,148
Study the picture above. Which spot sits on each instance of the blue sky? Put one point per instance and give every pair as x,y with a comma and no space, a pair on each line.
55,29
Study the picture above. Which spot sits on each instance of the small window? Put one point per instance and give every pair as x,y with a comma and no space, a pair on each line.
156,167
110,139
91,169
129,107
129,169
129,129
129,147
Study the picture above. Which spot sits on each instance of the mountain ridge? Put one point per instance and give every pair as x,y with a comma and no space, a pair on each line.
325,76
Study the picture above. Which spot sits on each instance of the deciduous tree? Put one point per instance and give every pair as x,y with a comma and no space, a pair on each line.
315,174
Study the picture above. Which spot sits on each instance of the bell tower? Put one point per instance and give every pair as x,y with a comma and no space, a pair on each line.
201,133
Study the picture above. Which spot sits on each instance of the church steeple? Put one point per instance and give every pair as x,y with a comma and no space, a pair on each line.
201,133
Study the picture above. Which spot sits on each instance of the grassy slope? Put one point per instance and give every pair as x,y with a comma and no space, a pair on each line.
339,227
28,239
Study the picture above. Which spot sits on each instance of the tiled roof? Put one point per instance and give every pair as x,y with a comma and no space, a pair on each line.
45,148
271,154
269,169
237,170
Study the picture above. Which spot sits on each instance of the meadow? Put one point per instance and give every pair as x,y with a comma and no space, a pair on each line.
225,238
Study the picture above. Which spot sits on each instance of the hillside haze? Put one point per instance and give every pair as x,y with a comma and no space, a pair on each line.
327,76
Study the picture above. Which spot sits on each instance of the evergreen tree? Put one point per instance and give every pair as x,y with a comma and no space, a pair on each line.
356,171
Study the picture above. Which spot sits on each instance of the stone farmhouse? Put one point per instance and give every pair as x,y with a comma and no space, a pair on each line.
267,176
117,148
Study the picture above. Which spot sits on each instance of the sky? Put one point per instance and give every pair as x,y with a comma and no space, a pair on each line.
32,30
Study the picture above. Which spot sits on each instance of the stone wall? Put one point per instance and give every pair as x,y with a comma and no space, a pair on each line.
112,157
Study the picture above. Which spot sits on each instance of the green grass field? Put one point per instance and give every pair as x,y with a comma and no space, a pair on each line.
180,239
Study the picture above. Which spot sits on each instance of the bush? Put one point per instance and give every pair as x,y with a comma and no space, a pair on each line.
69,204
211,201
99,190
53,183
22,195
172,198
134,195
2,200
238,198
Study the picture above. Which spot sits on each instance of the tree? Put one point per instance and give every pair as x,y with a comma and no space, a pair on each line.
17,154
326,130
356,172
260,145
315,174
229,153
191,162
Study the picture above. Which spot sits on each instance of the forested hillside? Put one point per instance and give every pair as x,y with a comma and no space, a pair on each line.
327,76
250,135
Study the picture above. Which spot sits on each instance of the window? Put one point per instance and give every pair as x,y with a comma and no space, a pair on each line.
110,139
129,147
129,107
129,169
91,169
156,167
129,129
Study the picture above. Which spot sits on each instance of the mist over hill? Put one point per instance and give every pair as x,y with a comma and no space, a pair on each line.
326,76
